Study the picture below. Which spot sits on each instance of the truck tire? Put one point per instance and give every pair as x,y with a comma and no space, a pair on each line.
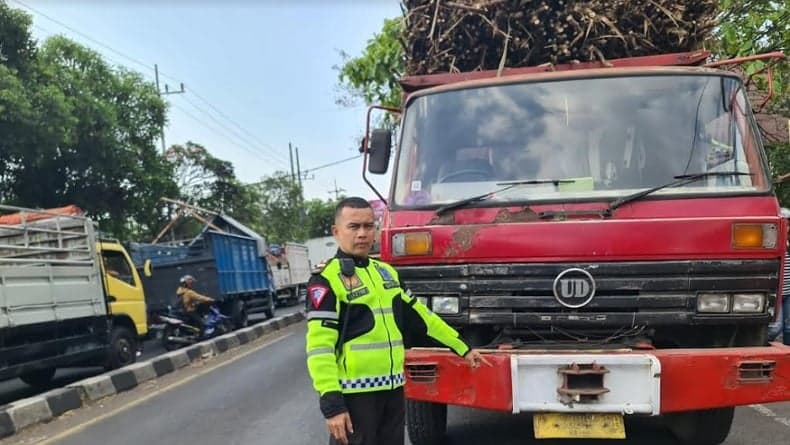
426,422
239,315
269,311
39,378
704,427
123,348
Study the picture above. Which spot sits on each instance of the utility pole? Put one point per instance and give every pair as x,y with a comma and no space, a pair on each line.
167,92
298,169
291,155
337,191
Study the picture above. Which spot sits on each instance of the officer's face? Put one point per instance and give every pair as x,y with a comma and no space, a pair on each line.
354,230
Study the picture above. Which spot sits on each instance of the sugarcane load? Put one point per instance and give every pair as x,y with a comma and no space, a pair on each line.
462,35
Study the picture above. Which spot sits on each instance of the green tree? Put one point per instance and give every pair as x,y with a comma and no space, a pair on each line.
753,27
78,131
320,217
373,76
283,217
211,183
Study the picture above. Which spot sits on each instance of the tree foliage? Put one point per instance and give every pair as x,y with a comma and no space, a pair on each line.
79,131
373,76
760,26
283,218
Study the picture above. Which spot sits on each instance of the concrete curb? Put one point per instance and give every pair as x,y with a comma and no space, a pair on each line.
44,407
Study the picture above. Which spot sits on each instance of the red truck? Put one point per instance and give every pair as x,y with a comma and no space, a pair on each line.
608,235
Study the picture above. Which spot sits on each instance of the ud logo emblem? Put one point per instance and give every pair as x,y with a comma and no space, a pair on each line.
574,288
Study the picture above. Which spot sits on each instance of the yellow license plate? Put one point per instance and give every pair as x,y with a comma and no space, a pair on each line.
578,426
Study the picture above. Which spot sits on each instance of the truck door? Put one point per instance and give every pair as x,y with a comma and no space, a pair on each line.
124,288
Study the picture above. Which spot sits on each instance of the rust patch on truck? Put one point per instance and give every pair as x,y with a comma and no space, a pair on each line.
523,215
462,241
445,219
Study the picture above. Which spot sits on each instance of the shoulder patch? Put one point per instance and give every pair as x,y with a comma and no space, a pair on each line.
317,293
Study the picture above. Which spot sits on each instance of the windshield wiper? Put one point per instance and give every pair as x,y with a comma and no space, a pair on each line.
679,180
507,186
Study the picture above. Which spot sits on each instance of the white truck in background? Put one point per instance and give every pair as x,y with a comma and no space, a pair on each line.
320,249
290,268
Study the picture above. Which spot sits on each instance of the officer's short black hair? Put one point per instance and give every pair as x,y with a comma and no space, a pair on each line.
354,202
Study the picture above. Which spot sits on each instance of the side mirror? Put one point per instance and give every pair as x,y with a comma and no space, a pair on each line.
148,268
380,150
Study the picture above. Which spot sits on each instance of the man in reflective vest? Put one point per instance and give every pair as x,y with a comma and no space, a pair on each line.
357,316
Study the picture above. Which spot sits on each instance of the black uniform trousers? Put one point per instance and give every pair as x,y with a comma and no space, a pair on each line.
378,417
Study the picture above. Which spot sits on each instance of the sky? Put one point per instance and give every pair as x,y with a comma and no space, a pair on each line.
258,75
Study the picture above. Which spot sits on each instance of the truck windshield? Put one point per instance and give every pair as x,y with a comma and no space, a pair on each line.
601,137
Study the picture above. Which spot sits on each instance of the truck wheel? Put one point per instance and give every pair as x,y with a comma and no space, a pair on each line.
239,315
269,311
704,427
123,348
426,422
39,378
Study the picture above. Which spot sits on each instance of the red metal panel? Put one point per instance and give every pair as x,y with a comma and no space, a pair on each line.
690,379
414,83
699,379
648,230
487,387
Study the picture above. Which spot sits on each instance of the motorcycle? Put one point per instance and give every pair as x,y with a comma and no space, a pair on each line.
177,332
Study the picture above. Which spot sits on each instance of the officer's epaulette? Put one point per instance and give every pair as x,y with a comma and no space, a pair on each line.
321,266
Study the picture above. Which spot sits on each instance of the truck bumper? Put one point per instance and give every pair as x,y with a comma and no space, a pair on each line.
623,381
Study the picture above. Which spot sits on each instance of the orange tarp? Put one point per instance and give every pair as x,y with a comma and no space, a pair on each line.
16,218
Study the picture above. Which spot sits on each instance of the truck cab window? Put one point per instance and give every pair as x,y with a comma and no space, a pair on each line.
117,267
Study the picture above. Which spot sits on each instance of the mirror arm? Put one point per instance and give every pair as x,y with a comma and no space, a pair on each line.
366,148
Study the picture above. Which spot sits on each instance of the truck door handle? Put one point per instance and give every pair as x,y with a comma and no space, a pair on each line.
111,298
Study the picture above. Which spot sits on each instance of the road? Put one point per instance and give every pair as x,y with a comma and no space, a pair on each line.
264,397
15,389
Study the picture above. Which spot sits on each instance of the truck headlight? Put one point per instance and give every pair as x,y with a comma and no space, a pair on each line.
445,305
748,303
713,303
412,243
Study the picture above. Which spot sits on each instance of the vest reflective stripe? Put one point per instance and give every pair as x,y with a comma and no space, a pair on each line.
319,351
379,345
373,382
324,315
385,310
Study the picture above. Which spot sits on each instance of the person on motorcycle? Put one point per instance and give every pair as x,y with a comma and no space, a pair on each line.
191,301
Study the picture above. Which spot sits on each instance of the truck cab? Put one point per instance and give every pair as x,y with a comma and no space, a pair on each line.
123,288
609,236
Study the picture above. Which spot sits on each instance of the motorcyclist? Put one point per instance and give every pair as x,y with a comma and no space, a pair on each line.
191,301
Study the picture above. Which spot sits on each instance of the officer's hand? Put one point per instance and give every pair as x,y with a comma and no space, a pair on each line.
475,358
338,425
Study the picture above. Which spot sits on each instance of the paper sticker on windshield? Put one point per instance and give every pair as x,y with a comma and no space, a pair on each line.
416,186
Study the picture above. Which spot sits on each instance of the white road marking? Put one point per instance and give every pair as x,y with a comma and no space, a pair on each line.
768,412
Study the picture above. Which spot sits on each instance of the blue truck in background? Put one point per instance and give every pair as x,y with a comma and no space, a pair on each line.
229,267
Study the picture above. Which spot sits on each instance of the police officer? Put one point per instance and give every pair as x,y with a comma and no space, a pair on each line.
358,316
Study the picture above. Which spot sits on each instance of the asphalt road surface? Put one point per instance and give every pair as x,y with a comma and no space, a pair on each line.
15,389
264,396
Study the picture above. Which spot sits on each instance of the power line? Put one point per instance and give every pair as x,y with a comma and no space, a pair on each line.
203,123
331,164
231,131
244,130
86,36
150,67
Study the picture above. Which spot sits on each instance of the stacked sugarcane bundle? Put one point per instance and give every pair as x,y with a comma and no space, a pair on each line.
467,35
